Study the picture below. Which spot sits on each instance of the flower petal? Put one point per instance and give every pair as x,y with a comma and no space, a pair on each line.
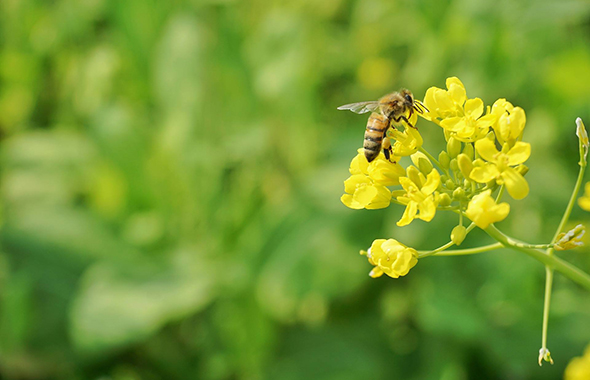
364,195
432,182
427,209
474,108
354,182
457,93
519,153
517,186
484,174
381,200
409,214
486,149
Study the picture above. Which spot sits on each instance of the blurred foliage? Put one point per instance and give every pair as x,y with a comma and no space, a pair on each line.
171,176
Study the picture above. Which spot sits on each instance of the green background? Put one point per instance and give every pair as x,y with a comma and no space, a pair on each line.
171,174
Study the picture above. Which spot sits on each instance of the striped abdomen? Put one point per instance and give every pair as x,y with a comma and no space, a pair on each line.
376,128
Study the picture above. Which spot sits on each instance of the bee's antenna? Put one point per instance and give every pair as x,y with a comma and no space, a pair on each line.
420,107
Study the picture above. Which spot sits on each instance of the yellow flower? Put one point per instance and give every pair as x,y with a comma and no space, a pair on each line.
510,121
407,142
443,104
483,210
391,257
418,196
579,367
499,166
366,188
460,117
584,201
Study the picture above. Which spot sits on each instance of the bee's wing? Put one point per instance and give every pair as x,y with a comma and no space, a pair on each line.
361,107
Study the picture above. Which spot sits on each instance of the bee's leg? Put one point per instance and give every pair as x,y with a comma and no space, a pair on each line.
402,117
387,149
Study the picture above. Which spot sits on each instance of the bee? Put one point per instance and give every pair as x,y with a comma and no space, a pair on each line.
384,112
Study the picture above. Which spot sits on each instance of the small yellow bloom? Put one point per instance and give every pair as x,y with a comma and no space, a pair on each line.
471,126
579,367
391,257
584,201
443,104
510,121
407,142
362,192
366,188
499,166
460,117
483,210
419,196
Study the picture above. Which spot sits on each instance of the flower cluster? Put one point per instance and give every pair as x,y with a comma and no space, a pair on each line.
484,154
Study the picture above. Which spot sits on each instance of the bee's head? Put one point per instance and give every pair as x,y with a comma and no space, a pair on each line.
408,97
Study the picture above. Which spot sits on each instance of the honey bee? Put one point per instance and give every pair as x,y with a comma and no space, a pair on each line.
385,111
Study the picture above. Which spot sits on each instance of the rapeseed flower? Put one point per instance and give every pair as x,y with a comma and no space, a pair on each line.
367,186
483,210
510,121
418,195
500,166
390,257
460,117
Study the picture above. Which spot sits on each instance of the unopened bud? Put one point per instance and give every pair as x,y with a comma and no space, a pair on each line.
444,159
581,133
522,169
458,235
465,164
478,162
453,147
414,175
422,162
444,200
449,184
453,165
458,193
469,151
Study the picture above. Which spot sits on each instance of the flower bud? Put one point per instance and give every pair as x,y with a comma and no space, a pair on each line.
414,175
422,162
444,200
453,165
458,193
469,151
449,184
581,133
478,162
458,235
444,159
465,164
522,169
453,147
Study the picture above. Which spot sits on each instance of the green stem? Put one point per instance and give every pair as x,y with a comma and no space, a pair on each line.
573,273
468,251
550,250
572,201
422,254
546,303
